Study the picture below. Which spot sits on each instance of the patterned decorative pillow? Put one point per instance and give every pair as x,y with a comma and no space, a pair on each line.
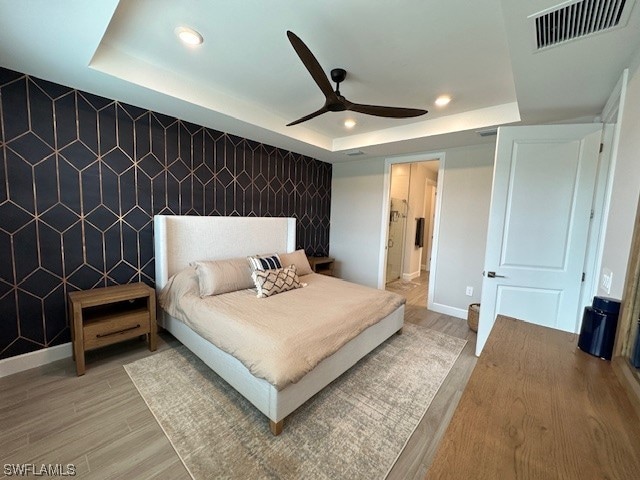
271,282
265,262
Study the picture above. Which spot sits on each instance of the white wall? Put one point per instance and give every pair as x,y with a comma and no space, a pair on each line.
399,193
356,215
465,190
625,191
411,267
400,180
356,222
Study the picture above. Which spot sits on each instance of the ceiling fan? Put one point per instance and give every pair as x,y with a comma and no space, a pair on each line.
334,101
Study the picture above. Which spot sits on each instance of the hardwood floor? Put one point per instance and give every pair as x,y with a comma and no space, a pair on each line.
99,422
420,450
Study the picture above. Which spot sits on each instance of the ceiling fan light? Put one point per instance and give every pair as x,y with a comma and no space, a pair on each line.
189,36
349,123
443,100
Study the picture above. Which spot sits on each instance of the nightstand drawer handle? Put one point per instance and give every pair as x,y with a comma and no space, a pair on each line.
101,335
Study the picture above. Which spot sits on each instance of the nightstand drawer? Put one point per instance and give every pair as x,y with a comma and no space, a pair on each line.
111,330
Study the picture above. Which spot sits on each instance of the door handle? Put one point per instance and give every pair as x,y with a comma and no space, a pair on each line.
493,275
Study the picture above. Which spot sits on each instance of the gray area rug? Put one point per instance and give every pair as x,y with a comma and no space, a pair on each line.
354,429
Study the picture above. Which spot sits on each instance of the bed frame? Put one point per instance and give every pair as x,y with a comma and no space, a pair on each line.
179,240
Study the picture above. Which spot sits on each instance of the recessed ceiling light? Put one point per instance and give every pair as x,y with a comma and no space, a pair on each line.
443,100
189,36
350,123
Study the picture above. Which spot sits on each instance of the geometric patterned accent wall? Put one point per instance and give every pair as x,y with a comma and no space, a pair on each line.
81,177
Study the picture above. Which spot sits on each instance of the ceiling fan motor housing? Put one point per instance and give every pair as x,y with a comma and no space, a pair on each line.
338,75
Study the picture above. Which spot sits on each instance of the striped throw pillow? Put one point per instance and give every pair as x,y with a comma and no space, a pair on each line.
272,282
265,262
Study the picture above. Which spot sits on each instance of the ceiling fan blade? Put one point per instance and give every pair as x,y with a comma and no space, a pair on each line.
380,111
324,109
312,65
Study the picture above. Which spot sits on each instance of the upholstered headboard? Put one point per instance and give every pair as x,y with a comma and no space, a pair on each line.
179,240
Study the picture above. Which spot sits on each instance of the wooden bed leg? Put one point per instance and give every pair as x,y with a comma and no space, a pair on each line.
399,332
276,427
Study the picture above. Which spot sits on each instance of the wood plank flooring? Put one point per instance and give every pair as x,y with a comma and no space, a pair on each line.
99,422
419,452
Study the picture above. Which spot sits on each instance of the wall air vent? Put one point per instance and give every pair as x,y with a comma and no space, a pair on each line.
579,19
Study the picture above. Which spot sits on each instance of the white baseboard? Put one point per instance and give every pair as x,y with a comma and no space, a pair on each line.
19,363
410,276
447,310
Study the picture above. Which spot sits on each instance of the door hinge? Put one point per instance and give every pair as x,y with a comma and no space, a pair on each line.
583,275
601,147
591,216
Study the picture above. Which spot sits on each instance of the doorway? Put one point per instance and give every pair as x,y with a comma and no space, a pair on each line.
411,207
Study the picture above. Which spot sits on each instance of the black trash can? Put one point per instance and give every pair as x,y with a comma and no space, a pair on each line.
635,355
599,323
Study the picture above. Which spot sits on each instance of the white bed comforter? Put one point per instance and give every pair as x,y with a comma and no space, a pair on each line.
279,338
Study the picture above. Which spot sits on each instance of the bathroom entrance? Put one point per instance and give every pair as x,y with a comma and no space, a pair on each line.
411,218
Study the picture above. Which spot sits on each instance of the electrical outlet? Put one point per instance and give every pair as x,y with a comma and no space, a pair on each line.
607,279
469,291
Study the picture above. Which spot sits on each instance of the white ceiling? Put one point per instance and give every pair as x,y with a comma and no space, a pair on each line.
246,79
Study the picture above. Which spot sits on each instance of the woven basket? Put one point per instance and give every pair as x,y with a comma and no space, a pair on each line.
472,316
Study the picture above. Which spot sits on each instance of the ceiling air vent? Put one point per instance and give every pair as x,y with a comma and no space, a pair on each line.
354,153
580,19
489,132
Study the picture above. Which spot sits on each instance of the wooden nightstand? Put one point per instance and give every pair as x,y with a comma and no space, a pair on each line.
103,316
323,265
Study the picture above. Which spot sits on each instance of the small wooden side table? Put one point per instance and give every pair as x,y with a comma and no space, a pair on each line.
103,316
323,265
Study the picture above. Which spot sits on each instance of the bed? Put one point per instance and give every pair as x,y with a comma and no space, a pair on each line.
180,240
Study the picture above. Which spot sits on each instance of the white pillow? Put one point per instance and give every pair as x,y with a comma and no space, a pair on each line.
223,276
297,258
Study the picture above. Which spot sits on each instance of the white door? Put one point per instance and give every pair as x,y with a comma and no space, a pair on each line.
543,183
432,219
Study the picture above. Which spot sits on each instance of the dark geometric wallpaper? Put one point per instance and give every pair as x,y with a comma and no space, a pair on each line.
82,176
